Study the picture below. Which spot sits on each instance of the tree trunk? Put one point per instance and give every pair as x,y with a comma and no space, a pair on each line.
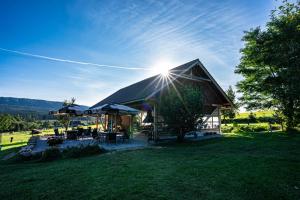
180,135
290,115
66,127
224,121
281,124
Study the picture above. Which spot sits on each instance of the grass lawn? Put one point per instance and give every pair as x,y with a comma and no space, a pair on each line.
21,138
238,166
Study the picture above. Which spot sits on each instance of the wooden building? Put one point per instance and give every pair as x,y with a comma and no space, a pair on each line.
144,95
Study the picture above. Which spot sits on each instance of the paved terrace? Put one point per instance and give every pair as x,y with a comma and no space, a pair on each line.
135,143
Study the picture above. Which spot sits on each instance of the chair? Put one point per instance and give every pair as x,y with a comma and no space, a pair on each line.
80,132
56,133
72,135
88,131
112,137
95,134
125,136
102,137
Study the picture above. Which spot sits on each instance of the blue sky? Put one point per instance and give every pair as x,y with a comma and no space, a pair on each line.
128,33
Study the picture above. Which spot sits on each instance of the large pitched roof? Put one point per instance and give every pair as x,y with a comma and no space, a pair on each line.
148,87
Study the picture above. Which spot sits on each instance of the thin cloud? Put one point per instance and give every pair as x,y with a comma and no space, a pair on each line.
71,61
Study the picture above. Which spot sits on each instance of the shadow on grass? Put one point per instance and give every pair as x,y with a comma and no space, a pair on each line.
241,139
13,144
5,152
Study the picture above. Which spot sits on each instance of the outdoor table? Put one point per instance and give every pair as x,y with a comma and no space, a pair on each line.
72,135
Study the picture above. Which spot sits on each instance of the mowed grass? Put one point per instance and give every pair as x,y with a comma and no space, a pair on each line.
21,138
237,166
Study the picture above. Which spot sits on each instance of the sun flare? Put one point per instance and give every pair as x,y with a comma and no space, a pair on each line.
162,67
164,71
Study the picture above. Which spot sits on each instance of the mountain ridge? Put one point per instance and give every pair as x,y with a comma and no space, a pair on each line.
23,106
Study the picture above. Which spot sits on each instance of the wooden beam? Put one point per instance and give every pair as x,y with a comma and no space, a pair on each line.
130,123
219,118
97,122
155,122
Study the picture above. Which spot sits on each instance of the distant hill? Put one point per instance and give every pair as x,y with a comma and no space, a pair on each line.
24,107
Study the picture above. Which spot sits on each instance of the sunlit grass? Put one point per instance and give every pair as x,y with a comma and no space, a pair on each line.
21,138
260,113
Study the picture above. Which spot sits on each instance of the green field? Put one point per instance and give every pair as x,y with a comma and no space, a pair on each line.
259,113
237,166
19,138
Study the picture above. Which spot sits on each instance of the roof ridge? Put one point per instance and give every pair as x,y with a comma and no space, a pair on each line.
141,89
154,76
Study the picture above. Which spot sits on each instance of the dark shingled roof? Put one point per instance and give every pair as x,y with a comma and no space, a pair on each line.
148,87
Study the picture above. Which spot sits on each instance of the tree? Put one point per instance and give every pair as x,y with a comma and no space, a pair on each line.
252,118
181,109
230,113
46,124
7,122
270,64
65,119
278,118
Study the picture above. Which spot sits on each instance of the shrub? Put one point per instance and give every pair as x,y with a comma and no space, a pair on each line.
255,128
226,129
259,128
51,154
54,141
262,119
76,152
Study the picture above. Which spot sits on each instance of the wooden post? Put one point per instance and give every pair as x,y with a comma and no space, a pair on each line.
111,123
130,124
97,121
105,122
116,123
155,122
219,118
212,121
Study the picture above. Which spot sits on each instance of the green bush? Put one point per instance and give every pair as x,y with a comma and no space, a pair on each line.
226,129
249,128
263,119
258,128
51,154
76,152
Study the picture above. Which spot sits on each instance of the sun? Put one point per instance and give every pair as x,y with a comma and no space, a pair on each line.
162,67
164,71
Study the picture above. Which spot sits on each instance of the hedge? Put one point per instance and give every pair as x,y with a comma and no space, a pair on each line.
249,128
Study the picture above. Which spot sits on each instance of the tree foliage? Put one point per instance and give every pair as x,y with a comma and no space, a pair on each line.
17,123
230,113
65,119
270,64
182,108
